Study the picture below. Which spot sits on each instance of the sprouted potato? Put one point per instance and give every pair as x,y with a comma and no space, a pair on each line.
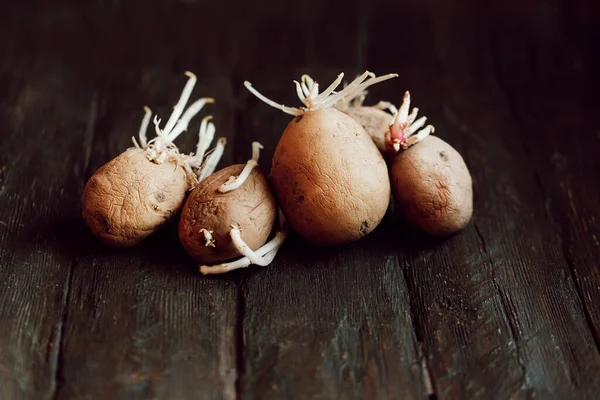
136,193
330,179
430,179
230,215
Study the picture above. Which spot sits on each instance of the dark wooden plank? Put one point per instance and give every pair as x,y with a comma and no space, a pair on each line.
502,310
321,323
140,322
460,319
497,313
43,121
558,127
331,325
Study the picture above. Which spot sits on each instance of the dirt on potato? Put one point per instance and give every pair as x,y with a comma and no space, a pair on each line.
433,186
252,206
130,197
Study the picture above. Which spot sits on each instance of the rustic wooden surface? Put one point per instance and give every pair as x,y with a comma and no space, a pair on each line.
509,308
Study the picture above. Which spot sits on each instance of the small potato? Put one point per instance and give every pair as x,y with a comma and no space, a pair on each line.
137,192
129,198
429,178
433,186
251,207
375,121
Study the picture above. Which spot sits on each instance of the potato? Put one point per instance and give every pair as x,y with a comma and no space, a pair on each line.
137,192
129,197
433,186
430,180
252,207
331,181
375,121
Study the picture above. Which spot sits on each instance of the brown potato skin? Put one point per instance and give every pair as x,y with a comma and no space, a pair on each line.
252,206
130,197
375,121
331,181
433,186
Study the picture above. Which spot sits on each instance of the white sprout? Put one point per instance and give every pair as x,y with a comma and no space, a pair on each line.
355,101
213,159
308,92
404,125
235,182
144,127
161,148
386,105
205,137
183,99
262,257
187,116
210,241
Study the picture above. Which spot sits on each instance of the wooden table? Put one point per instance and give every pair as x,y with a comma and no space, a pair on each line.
509,308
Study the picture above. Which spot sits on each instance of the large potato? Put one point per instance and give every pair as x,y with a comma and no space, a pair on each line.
129,198
433,186
330,179
252,207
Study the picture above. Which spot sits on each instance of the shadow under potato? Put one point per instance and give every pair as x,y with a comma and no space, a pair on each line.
401,235
64,236
163,253
393,236
160,253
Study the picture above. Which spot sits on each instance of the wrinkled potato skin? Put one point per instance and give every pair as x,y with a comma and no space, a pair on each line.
331,181
130,197
433,186
252,206
375,121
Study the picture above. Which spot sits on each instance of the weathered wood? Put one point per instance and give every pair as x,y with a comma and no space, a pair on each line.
506,309
40,182
558,126
461,325
506,298
140,322
322,323
331,324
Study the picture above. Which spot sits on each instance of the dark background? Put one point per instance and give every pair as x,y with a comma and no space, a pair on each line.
509,308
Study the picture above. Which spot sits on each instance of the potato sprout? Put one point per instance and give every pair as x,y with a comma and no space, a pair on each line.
308,92
404,125
262,257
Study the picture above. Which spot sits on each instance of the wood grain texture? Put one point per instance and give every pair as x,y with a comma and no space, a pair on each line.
460,319
558,126
555,353
142,322
325,326
322,323
136,323
486,300
506,309
41,171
